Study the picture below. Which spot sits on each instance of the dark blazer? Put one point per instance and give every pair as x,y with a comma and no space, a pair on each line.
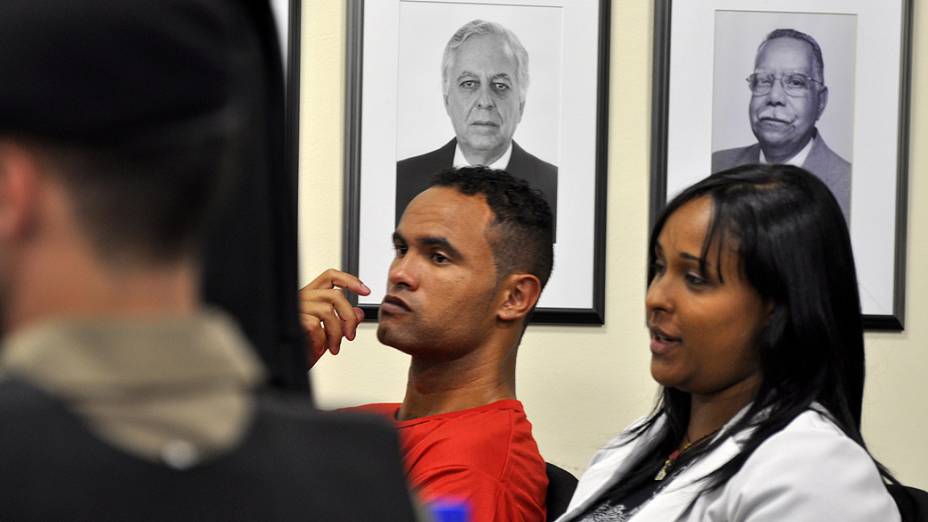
413,174
293,463
834,170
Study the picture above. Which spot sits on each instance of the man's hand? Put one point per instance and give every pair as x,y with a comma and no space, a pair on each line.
326,314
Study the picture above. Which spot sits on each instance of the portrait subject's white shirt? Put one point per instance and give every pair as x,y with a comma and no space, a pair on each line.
501,163
796,160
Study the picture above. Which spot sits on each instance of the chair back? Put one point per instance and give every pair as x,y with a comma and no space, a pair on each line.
561,486
912,502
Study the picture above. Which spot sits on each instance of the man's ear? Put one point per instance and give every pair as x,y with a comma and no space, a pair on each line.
520,294
19,180
822,102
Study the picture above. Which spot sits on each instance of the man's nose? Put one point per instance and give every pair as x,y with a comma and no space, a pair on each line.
777,95
402,273
485,97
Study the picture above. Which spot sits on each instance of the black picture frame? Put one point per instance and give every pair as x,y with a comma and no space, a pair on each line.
292,87
894,319
594,314
287,19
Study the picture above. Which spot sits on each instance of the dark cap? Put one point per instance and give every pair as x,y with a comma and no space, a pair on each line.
101,71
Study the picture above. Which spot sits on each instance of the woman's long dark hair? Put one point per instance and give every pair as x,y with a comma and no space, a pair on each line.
795,251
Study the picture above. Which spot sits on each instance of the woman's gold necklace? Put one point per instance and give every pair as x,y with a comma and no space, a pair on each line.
662,474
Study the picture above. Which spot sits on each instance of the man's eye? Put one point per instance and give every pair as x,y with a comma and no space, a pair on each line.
439,258
796,81
468,84
501,86
400,250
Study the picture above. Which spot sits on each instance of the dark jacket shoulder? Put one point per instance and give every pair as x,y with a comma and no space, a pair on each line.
292,463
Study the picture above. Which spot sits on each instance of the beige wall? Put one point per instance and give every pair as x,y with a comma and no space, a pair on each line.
580,385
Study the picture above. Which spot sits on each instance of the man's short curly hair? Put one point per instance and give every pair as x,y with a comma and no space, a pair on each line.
522,232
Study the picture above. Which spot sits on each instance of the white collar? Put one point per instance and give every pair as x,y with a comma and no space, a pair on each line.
500,164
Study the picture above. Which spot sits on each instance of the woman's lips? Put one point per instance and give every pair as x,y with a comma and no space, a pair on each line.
662,343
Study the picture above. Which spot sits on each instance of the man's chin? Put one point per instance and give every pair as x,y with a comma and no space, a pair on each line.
382,333
779,137
484,143
773,139
389,336
403,341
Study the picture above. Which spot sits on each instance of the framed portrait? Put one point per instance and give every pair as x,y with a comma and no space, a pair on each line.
823,84
287,18
410,115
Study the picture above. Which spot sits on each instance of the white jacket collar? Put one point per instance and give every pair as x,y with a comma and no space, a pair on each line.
613,462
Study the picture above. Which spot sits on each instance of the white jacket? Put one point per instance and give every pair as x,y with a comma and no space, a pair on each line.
809,471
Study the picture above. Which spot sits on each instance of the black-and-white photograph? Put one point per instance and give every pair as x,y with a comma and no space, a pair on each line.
438,84
484,89
784,93
821,84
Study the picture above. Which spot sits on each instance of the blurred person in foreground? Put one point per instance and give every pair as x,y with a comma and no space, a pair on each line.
757,342
472,254
122,397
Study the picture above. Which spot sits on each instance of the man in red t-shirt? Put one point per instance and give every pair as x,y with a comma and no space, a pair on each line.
473,253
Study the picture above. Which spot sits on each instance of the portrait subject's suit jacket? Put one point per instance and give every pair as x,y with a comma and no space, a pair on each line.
413,174
827,165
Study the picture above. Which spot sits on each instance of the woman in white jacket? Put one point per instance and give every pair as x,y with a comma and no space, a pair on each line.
756,338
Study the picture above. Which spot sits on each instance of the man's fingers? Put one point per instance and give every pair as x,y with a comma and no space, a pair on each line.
312,301
326,313
333,334
347,315
333,278
332,297
315,337
331,322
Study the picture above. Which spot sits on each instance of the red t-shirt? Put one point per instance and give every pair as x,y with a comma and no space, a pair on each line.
485,456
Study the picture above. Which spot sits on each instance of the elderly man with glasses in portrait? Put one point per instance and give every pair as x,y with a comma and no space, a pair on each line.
788,96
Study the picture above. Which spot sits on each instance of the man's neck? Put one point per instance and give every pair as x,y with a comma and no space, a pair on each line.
486,158
468,382
79,286
784,155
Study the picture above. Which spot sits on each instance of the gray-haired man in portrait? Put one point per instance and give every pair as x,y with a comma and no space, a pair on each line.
788,96
485,78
